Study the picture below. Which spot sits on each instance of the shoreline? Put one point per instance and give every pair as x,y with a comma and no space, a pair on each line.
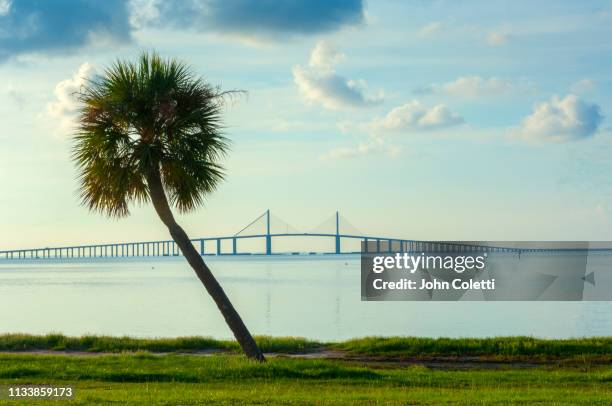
366,349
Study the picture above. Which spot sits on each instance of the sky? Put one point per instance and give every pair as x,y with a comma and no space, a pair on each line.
443,120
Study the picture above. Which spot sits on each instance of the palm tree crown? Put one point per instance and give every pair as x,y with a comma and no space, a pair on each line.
154,116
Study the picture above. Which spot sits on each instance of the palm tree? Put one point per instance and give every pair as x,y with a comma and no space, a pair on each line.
151,131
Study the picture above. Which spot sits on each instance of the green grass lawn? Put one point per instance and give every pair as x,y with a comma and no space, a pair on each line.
119,370
230,379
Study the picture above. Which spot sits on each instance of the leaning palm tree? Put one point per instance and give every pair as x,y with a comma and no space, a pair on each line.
151,131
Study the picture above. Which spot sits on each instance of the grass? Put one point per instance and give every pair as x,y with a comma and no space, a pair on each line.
408,347
59,342
501,347
150,379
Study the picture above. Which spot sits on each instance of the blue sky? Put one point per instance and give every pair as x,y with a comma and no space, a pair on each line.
417,119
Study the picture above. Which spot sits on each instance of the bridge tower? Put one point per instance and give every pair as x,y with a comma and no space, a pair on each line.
268,236
337,232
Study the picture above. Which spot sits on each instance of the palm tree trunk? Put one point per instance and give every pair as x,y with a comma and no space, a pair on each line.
235,323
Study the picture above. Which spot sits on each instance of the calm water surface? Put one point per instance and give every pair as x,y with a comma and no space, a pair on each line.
311,297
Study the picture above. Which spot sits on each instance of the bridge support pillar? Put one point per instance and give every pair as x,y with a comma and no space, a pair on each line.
337,233
268,236
202,247
234,248
268,245
218,246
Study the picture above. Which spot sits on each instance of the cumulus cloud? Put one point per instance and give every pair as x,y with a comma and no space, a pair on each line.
320,84
65,107
414,116
410,118
263,17
474,86
324,56
562,119
331,90
60,25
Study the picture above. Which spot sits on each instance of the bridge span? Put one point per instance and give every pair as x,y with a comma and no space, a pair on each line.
214,245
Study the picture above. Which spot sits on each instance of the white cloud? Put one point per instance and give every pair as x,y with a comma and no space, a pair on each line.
320,84
431,29
65,107
558,120
143,12
374,146
475,86
584,85
496,38
323,56
5,7
414,116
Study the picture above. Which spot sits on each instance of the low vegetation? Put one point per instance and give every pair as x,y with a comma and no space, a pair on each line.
501,347
145,378
399,347
59,342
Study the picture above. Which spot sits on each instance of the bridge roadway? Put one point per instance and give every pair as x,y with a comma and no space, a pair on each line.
167,248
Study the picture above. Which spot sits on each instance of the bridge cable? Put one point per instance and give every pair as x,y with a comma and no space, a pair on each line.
252,222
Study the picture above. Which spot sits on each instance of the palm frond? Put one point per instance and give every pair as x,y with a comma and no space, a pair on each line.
151,114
